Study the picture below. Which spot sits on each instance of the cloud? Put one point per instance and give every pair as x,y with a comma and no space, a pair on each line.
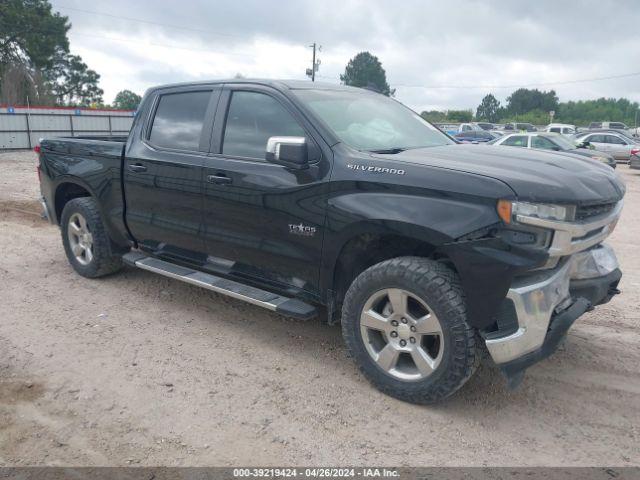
420,43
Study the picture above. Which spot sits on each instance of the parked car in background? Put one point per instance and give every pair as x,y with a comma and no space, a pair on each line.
617,145
624,133
562,128
555,142
520,127
467,127
608,125
475,136
486,126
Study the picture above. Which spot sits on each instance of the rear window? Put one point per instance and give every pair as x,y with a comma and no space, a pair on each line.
516,141
179,120
595,125
617,125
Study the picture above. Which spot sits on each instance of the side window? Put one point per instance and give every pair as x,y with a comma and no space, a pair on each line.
541,142
253,118
179,120
595,139
595,125
555,129
615,140
617,125
516,141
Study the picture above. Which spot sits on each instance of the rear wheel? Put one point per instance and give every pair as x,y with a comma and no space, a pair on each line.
404,323
85,239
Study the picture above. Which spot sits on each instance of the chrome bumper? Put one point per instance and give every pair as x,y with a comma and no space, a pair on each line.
536,298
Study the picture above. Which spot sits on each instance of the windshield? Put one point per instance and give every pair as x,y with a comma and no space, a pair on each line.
564,143
371,122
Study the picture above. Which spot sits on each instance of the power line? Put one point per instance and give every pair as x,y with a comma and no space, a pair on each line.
541,84
149,22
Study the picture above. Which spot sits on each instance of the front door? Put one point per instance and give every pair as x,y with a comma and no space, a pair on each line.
163,174
264,222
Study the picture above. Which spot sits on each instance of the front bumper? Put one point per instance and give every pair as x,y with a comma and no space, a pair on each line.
542,306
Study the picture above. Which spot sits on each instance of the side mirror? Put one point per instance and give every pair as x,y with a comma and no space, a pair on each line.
288,151
555,148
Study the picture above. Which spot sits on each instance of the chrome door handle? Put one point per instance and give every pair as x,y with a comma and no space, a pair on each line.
219,179
137,167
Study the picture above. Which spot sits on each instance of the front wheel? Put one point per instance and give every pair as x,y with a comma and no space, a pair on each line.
404,323
85,239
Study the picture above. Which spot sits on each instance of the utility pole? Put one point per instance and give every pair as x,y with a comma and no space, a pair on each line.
311,72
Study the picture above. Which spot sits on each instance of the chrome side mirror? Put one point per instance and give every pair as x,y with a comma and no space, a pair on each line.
288,151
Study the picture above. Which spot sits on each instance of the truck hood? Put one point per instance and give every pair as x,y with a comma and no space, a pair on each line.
534,175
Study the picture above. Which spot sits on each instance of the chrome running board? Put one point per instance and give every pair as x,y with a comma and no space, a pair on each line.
290,307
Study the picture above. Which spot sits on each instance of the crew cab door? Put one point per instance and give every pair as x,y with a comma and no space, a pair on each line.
163,172
264,222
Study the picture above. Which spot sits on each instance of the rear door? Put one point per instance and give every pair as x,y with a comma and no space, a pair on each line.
163,173
264,222
618,147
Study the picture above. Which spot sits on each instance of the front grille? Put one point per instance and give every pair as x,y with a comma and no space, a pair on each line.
589,211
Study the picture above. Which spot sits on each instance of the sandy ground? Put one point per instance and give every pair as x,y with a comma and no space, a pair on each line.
136,369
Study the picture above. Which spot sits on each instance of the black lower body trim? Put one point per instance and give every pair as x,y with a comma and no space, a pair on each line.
560,324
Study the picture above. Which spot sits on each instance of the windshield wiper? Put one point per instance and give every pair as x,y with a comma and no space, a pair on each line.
392,150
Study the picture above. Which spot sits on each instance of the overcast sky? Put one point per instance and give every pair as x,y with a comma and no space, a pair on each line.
428,48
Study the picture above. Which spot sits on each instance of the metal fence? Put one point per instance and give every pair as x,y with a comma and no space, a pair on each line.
24,129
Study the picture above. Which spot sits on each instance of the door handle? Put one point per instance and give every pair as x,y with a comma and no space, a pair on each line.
219,179
137,167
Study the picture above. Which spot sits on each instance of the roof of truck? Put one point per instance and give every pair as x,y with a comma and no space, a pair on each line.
278,84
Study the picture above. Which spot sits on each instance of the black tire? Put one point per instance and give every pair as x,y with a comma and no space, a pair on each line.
439,287
103,262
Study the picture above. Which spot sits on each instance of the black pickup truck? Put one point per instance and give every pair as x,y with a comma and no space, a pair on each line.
312,199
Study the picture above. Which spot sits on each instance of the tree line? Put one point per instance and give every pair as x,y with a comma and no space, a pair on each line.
534,106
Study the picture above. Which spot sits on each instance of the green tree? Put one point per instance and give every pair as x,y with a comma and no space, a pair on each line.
365,70
35,60
488,109
31,33
459,115
524,100
434,116
127,100
73,83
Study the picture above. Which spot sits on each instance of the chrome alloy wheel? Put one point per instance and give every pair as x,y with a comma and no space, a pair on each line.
401,334
80,239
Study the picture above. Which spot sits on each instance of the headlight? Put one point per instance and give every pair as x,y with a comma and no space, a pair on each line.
508,210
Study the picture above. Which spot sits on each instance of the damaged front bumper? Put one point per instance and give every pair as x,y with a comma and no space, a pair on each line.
541,307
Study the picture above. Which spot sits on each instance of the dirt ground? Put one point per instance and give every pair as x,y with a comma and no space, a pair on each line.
137,369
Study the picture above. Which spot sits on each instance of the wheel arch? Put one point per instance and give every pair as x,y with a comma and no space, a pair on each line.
369,244
66,190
